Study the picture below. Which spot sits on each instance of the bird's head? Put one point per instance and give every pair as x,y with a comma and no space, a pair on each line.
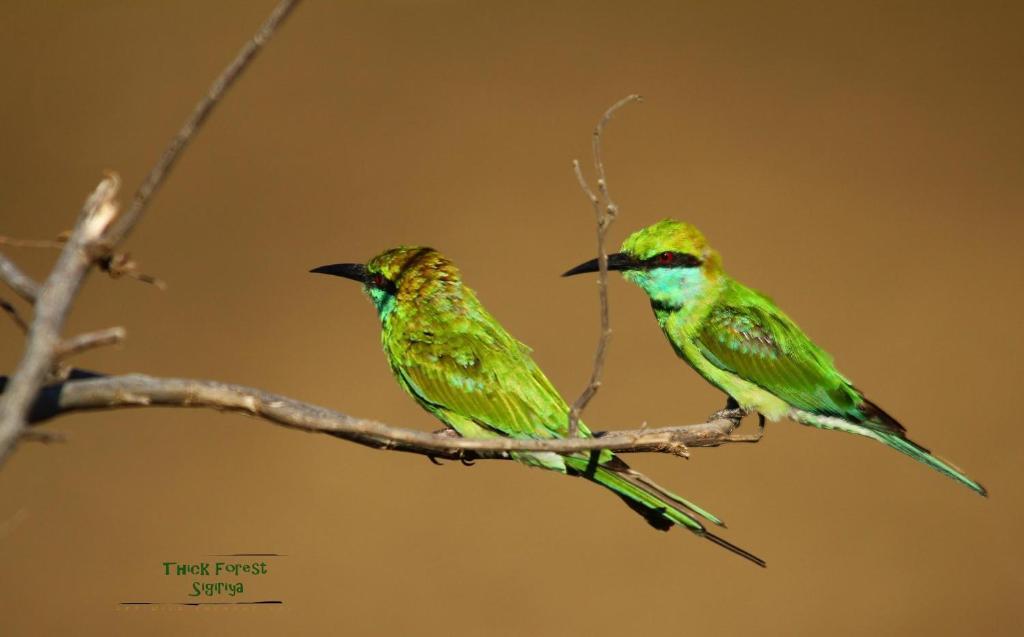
670,260
405,272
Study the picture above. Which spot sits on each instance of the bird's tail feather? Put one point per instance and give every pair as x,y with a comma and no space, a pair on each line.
919,453
661,508
895,438
652,487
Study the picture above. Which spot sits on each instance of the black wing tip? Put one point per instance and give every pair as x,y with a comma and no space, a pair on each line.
876,414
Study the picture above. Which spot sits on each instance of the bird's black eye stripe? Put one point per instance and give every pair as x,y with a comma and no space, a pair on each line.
672,260
381,282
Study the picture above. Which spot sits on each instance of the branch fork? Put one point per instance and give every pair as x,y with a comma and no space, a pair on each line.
605,211
98,231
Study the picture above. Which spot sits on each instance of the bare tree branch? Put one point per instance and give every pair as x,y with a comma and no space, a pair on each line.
96,234
45,437
32,243
605,211
137,390
52,307
118,264
90,340
124,225
24,285
12,312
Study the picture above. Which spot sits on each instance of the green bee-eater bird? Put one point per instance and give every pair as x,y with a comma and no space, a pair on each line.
740,342
461,365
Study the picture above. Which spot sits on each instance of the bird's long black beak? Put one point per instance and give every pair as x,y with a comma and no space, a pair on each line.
354,271
617,261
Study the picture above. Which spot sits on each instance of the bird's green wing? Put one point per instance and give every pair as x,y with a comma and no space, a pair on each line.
746,334
462,366
473,368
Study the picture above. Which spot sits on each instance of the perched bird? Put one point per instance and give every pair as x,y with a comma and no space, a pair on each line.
740,342
461,365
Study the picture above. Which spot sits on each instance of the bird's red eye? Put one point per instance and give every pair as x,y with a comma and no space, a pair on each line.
666,258
378,280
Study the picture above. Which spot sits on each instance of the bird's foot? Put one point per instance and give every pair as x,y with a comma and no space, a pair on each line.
755,437
732,411
735,414
446,433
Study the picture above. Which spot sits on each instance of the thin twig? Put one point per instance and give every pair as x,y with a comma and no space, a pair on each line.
605,211
52,307
118,264
25,286
90,340
602,180
97,233
45,437
136,390
124,225
13,313
31,243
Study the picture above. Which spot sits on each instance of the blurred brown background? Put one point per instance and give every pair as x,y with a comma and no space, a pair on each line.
860,163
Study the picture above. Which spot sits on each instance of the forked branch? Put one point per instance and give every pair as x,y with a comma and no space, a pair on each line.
605,211
97,233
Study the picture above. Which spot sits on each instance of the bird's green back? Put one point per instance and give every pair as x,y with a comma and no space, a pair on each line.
458,362
746,334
